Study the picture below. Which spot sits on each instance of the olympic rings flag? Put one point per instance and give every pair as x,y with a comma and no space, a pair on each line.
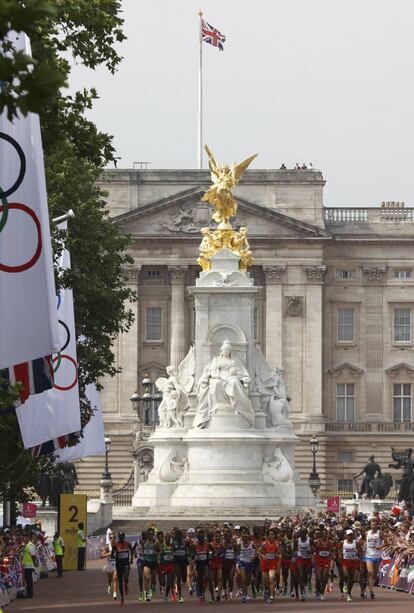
28,318
56,412
93,441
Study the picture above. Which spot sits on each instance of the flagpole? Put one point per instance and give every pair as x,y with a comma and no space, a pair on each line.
200,97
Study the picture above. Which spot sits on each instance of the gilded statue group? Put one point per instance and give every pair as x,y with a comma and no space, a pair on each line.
220,196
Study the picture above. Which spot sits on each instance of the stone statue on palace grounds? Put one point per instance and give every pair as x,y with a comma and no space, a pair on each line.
273,391
380,486
405,461
175,392
370,471
224,384
55,480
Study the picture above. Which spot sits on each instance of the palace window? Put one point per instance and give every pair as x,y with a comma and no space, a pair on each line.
153,324
345,402
345,456
402,274
345,325
402,402
345,485
153,273
344,274
402,325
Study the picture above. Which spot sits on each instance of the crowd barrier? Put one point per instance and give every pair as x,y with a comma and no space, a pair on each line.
397,574
11,572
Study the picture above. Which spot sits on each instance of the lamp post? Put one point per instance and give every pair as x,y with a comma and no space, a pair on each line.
106,479
146,406
314,480
107,474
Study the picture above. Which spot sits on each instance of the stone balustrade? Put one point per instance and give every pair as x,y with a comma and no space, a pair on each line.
366,215
380,426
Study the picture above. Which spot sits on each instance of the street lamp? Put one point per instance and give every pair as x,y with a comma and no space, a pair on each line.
146,406
314,480
107,474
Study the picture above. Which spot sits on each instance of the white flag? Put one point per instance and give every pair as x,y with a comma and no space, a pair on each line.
93,441
28,321
56,412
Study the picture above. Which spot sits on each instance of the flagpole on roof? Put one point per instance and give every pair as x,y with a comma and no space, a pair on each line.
200,96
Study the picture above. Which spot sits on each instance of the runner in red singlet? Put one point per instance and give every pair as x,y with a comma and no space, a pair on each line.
323,552
269,553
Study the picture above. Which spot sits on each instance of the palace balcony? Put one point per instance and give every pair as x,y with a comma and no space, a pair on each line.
370,426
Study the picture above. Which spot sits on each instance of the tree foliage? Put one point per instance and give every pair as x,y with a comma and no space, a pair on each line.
76,152
26,83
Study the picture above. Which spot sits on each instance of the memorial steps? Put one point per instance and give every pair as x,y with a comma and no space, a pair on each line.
131,520
120,465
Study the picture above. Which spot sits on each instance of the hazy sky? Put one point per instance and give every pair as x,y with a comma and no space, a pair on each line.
322,81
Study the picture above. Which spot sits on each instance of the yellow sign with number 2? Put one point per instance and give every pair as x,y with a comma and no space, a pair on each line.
72,511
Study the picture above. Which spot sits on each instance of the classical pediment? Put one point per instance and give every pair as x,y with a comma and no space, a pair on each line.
345,369
401,369
185,214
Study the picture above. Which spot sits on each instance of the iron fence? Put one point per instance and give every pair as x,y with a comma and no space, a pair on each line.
347,495
122,496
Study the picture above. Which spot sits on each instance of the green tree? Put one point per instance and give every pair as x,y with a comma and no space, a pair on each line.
75,154
18,470
26,82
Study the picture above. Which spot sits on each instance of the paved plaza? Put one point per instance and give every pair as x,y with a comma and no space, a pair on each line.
83,591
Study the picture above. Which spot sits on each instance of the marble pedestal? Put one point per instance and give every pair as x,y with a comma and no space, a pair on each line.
232,467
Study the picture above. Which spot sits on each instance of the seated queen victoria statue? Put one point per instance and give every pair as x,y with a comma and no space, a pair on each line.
223,385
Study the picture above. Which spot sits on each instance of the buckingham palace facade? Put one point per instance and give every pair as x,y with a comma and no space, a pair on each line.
335,306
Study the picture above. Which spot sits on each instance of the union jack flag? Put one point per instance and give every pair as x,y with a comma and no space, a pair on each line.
50,446
35,377
211,35
55,444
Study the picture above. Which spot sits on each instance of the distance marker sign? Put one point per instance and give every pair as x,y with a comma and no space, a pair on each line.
72,511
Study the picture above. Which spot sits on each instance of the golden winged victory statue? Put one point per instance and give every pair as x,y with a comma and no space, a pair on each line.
220,196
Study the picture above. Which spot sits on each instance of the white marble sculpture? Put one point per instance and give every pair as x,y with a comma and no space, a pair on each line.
224,384
273,391
277,468
279,405
175,392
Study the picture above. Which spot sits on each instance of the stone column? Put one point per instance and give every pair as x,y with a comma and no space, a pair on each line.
128,351
178,348
312,405
274,315
375,278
